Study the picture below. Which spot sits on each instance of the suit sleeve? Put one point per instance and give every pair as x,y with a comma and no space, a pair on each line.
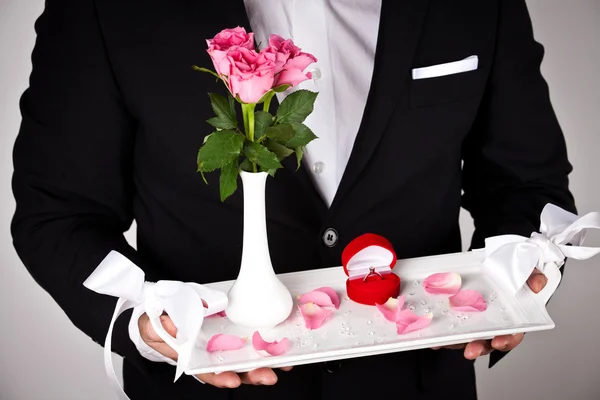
515,159
73,169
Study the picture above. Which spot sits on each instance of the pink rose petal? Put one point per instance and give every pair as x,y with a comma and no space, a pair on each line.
317,297
408,321
443,283
275,348
332,295
223,342
468,300
314,316
391,309
219,314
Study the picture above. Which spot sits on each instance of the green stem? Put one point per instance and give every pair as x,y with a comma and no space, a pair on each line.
245,116
248,113
251,121
267,103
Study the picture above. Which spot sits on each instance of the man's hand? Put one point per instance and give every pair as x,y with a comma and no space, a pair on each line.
261,376
537,281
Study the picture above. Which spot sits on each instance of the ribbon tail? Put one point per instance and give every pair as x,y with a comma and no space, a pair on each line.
122,306
183,350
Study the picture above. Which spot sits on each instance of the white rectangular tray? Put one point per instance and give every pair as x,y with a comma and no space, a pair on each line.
357,330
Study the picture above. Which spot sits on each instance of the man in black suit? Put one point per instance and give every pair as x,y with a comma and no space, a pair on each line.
112,121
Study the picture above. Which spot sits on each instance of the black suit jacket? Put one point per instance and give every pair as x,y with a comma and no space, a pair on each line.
114,116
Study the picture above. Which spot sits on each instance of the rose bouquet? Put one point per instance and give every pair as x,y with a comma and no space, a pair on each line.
254,151
252,78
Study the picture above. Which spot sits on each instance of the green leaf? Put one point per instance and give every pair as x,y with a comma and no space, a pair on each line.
261,155
269,171
281,88
246,165
280,150
223,107
296,106
228,179
201,69
220,149
221,123
299,153
303,135
206,138
262,121
281,133
231,104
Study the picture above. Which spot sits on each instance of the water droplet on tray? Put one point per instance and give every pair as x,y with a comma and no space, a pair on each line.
220,359
493,296
505,318
445,311
358,343
347,298
411,293
502,308
296,344
416,283
412,308
465,317
426,311
451,326
371,333
315,346
423,302
369,322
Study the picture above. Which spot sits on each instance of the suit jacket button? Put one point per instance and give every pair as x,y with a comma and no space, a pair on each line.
332,366
330,237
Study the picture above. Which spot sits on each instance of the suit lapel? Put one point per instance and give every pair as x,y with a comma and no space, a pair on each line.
399,31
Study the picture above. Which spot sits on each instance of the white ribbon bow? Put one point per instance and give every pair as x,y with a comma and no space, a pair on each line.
510,259
117,276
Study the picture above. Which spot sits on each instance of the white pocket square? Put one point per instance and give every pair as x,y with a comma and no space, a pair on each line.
456,67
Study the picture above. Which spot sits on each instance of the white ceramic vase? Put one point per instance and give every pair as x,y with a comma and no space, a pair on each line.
257,299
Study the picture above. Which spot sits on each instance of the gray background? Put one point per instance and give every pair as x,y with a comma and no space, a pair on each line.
42,356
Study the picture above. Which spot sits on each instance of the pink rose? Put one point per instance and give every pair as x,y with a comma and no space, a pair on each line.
250,75
290,61
224,41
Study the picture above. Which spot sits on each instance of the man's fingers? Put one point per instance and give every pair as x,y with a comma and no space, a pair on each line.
537,281
286,369
260,376
507,342
149,334
168,324
478,348
224,380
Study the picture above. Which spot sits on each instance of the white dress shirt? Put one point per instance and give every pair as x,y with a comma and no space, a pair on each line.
342,35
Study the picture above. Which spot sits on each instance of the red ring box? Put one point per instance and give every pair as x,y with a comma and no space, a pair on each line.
370,250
